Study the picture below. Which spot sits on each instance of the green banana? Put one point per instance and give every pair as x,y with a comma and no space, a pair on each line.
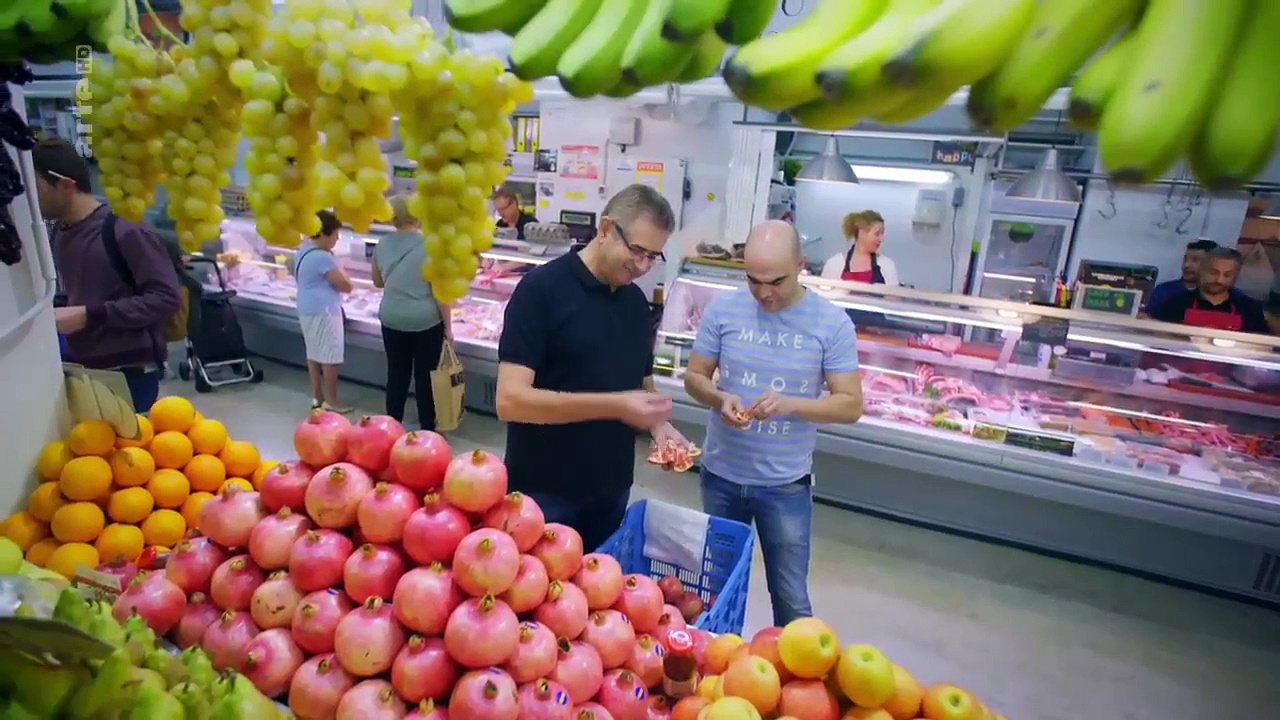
1063,34
687,20
776,72
592,64
650,58
478,16
538,46
708,54
1239,136
1097,82
746,20
1166,91
917,104
959,42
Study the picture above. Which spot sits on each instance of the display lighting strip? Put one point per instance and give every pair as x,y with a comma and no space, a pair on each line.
888,371
1011,278
1144,415
916,176
492,255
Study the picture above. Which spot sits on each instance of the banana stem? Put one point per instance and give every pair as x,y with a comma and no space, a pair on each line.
159,26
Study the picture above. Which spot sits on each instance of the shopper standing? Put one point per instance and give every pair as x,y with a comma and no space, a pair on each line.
321,284
111,322
862,262
575,374
415,325
776,346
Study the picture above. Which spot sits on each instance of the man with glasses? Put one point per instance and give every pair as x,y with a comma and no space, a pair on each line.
509,213
777,345
575,373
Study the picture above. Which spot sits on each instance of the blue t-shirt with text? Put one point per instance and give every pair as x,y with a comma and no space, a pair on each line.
316,295
790,352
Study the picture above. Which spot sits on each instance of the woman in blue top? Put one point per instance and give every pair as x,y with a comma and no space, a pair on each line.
321,284
414,324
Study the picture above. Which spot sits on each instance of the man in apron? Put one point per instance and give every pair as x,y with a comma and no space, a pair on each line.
1212,304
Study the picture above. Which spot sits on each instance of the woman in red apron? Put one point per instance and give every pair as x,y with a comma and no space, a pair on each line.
862,262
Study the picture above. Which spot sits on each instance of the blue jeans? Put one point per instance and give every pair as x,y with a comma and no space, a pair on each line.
783,517
144,388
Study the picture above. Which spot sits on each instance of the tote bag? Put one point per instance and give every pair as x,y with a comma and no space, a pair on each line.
448,389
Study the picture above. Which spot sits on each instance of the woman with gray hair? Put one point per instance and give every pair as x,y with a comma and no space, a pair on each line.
414,324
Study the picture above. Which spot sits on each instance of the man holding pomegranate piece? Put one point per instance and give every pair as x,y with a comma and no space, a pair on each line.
575,372
776,345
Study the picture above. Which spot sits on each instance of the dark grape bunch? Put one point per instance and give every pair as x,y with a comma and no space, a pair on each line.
13,131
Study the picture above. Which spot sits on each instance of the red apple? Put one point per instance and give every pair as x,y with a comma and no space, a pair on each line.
948,702
808,700
765,644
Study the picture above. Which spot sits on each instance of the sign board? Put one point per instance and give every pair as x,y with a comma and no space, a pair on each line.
956,154
1098,298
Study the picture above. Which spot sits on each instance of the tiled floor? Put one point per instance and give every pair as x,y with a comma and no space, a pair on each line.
1040,639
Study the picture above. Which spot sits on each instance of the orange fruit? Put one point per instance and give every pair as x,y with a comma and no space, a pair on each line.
241,458
191,507
172,414
169,488
52,458
71,556
78,522
171,449
45,500
208,436
85,478
132,466
199,417
120,542
206,473
145,433
92,437
130,505
24,529
164,527
39,553
264,467
235,482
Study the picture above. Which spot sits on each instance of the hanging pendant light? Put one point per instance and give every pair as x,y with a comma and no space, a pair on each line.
1046,182
828,165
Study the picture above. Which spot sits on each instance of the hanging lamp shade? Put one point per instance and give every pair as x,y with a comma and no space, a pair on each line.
1046,182
828,165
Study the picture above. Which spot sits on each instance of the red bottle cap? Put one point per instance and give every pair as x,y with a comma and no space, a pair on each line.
679,641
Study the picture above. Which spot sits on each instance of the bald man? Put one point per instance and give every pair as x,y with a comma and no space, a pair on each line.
776,345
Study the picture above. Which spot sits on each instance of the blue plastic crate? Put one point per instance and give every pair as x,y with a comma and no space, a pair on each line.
725,571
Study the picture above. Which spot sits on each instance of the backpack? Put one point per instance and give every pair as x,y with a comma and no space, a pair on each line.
174,328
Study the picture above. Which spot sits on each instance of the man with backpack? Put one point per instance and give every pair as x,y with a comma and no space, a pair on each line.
124,296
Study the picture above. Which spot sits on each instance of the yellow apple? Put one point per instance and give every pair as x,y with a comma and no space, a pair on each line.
730,708
710,687
865,676
755,680
907,694
809,648
858,713
948,702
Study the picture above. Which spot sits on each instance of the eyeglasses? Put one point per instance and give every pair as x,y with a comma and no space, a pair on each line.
639,252
505,207
58,176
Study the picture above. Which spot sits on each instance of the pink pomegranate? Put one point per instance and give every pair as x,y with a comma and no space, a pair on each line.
671,588
225,640
372,571
646,661
150,595
669,620
641,602
316,620
333,495
591,711
520,517
321,439
270,660
191,564
579,670
370,700
611,634
121,569
535,654
234,582
316,559
623,695
383,513
423,670
419,460
691,606
564,611
275,602
474,481
317,687
544,699
486,562
370,440
484,695
433,532
273,536
560,549
530,586
368,638
600,579
428,710
228,519
199,614
659,708
424,599
482,632
285,486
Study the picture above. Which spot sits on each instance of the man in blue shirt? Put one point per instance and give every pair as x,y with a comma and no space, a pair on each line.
776,345
1192,259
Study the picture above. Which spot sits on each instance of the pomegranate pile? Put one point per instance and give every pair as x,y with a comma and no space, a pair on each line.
378,577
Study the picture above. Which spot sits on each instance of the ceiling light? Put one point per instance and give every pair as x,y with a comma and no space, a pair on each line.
1046,182
918,176
828,166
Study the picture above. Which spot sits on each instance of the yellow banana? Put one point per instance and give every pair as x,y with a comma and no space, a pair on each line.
1183,48
1097,82
959,42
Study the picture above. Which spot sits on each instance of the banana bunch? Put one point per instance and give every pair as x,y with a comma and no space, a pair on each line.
88,398
49,31
615,48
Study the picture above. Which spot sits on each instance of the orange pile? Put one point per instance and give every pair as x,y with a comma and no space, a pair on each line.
104,498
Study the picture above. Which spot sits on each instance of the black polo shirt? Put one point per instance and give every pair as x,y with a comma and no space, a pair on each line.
577,335
524,219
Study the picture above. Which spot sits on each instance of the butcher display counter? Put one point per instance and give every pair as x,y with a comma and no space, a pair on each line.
1132,443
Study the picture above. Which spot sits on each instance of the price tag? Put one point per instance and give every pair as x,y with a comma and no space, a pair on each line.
1109,300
